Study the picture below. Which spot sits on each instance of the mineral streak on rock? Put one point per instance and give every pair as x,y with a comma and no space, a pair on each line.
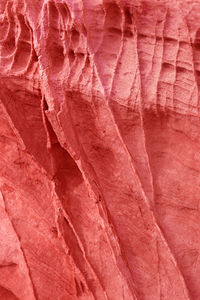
100,150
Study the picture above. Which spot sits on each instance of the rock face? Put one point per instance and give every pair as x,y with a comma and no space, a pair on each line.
100,150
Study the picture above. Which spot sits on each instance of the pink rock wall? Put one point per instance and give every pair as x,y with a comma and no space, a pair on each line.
99,150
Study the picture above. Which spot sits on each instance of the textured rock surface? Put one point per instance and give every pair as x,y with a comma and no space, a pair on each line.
100,150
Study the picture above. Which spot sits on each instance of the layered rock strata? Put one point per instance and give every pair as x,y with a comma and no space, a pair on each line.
100,150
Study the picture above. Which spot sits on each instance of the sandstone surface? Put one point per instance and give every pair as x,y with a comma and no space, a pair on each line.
99,150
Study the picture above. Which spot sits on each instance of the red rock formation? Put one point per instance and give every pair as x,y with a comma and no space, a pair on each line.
100,150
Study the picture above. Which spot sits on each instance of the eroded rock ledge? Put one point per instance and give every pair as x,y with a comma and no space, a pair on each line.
99,146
